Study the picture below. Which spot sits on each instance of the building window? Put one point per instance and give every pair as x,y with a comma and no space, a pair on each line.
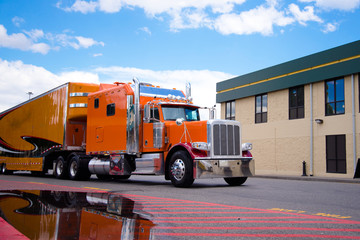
261,108
335,154
334,97
110,109
296,102
96,103
230,110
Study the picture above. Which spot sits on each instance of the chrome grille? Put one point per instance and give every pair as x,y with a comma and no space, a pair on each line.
225,138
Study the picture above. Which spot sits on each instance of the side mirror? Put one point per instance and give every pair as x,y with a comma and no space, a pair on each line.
147,113
179,121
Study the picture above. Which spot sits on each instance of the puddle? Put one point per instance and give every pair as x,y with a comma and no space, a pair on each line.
75,215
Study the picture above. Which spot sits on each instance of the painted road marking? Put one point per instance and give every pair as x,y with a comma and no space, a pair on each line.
316,214
101,189
186,219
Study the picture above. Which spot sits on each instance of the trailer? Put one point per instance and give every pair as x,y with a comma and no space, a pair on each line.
118,130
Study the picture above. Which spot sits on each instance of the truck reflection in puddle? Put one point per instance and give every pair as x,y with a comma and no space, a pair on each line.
75,215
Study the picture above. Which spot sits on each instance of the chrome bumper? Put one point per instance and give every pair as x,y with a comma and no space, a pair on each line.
205,168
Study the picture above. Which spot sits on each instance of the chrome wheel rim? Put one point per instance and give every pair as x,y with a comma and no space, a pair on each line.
59,168
73,168
178,169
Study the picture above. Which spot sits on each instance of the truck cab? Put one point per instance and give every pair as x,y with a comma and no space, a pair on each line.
152,130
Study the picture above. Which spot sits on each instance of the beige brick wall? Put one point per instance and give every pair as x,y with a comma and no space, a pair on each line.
281,145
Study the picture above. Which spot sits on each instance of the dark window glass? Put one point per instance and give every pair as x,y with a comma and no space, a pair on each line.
334,97
230,110
110,109
335,154
96,103
261,108
296,102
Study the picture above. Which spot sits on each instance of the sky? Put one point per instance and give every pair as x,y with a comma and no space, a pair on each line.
46,43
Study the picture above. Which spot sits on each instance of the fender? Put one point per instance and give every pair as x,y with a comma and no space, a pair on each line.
194,153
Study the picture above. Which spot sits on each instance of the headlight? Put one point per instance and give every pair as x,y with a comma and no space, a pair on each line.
246,146
201,146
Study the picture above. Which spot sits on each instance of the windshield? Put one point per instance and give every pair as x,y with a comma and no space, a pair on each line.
187,113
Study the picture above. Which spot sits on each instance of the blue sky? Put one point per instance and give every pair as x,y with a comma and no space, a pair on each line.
44,43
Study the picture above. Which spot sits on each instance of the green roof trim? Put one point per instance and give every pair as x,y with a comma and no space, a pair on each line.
332,63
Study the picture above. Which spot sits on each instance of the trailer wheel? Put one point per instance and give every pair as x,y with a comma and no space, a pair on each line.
60,168
237,181
78,170
181,169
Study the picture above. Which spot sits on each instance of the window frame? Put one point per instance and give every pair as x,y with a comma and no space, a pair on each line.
299,109
96,103
261,117
335,101
110,109
230,115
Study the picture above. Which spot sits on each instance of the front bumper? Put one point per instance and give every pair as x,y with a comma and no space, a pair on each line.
211,168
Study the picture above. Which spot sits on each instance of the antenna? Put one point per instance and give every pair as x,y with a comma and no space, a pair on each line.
30,93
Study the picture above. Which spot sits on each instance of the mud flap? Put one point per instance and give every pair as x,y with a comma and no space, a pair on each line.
357,171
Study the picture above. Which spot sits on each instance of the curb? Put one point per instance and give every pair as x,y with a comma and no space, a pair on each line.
309,178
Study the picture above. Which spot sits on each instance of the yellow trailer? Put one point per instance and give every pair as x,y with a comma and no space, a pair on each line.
31,133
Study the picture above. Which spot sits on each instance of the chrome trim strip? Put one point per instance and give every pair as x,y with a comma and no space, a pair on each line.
78,105
79,94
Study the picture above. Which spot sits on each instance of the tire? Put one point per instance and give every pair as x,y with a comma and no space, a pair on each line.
1,168
61,168
237,181
181,169
78,169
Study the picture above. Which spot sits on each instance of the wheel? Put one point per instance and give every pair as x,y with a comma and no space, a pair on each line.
237,181
1,168
78,170
181,169
61,168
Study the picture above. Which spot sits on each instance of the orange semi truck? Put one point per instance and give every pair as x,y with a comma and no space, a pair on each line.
117,130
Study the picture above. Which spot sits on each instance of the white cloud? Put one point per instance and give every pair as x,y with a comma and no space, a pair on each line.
344,5
304,16
203,81
81,6
87,42
258,20
17,78
17,21
22,42
330,27
145,30
30,41
220,15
